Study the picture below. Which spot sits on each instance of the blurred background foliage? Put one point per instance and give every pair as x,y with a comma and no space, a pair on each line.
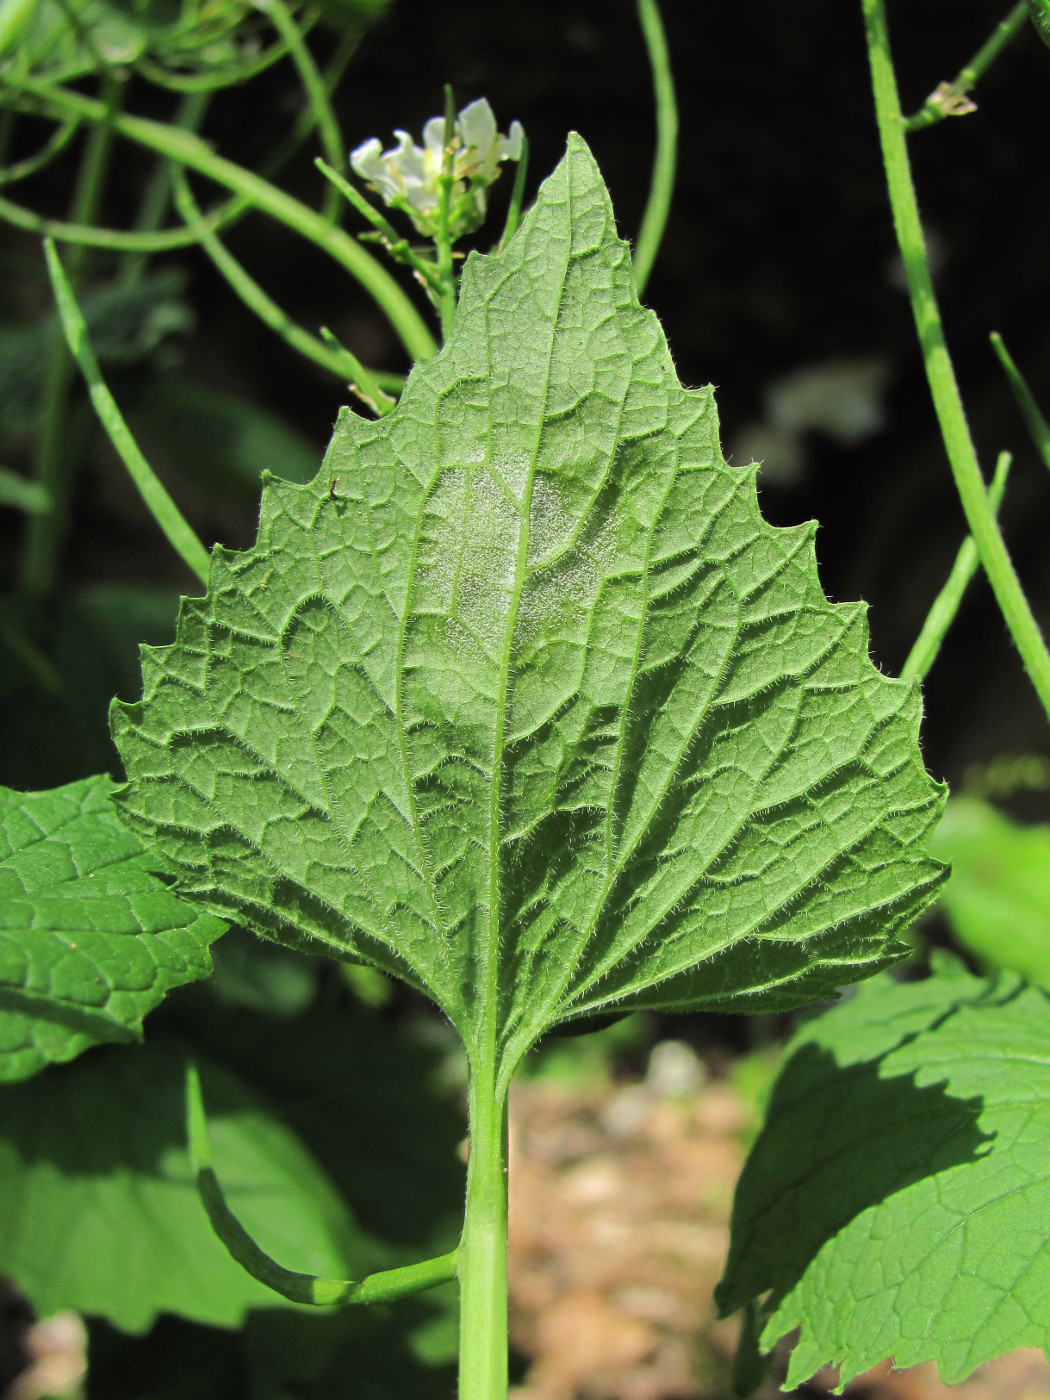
777,281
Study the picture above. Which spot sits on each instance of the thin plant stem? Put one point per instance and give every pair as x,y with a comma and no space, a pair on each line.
166,240
363,382
54,146
947,402
317,94
945,606
113,239
214,81
165,512
483,1248
1034,420
517,195
335,359
950,99
661,187
50,461
156,199
187,149
443,239
399,248
382,1287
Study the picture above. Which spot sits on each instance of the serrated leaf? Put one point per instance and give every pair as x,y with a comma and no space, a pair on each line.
99,1210
897,1201
998,899
90,938
522,701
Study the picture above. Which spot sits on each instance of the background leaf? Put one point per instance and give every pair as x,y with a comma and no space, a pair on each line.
90,938
99,1211
522,701
61,662
897,1201
998,899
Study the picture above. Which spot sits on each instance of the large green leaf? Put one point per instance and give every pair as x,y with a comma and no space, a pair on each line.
522,701
998,899
99,1209
90,938
897,1202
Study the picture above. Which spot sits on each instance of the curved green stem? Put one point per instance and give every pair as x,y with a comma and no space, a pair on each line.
317,94
113,239
443,240
156,198
941,376
517,195
661,188
382,1287
54,146
945,606
949,99
51,465
399,248
163,509
189,150
213,81
328,355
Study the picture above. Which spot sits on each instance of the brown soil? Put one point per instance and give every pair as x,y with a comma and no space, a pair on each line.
620,1199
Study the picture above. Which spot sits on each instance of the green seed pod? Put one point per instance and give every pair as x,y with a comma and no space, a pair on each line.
1040,13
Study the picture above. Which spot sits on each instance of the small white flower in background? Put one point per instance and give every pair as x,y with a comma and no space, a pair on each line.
407,176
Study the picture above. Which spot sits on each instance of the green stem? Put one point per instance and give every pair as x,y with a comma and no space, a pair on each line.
54,146
517,196
948,99
162,241
156,199
50,465
163,509
383,1287
114,239
483,1249
249,291
212,81
1030,412
189,150
399,248
945,606
939,371
317,94
325,352
661,188
443,240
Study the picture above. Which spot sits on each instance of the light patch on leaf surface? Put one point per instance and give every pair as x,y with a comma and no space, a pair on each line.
90,938
539,714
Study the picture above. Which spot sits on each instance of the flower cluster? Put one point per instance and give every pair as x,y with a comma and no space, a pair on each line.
408,177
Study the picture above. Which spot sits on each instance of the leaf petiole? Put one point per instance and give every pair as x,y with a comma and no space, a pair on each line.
382,1287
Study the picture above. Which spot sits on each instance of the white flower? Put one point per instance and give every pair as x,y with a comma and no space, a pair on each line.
407,177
